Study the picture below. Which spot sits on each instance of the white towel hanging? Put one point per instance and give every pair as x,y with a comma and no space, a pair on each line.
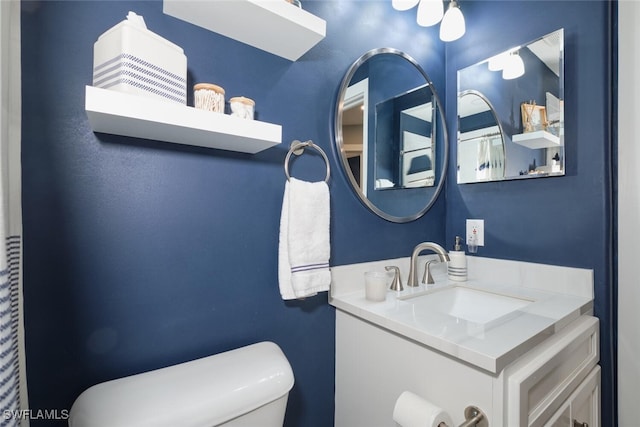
304,247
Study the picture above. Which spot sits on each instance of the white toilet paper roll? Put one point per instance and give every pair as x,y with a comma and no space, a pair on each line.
412,410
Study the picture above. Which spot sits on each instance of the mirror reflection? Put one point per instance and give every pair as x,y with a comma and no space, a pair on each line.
481,150
511,114
404,144
390,133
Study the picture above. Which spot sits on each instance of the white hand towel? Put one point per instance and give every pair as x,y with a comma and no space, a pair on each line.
304,249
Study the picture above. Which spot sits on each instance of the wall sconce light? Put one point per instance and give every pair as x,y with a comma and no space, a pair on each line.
430,12
452,27
496,63
404,4
513,67
509,62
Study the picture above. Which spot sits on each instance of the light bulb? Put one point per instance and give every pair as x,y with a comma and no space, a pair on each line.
496,63
429,12
403,4
452,27
514,67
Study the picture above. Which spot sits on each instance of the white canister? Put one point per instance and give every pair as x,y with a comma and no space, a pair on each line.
457,266
210,97
242,107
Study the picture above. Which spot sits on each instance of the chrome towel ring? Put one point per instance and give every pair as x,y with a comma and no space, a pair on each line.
297,148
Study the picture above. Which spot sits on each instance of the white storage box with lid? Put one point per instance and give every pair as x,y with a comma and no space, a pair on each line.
130,58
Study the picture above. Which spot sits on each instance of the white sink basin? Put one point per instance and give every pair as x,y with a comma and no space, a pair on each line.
469,304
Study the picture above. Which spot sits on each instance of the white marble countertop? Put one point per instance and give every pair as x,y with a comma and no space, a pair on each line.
558,296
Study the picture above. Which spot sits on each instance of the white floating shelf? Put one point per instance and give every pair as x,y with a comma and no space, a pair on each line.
142,117
537,139
275,26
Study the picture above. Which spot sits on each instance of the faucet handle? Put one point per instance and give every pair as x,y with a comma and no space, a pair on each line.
427,278
396,285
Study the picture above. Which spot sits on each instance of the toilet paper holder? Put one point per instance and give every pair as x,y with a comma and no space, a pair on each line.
474,417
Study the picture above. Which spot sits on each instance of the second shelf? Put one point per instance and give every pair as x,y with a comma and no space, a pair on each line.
274,26
142,117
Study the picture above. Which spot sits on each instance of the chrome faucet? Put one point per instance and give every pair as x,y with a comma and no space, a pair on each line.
413,273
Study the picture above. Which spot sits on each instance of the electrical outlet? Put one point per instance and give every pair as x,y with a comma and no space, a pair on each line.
475,232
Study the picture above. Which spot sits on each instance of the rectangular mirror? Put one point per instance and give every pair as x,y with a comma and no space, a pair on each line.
404,144
511,114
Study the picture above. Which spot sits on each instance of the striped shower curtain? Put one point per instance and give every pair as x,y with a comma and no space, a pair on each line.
12,394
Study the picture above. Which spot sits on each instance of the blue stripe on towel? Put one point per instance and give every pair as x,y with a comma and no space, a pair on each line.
309,267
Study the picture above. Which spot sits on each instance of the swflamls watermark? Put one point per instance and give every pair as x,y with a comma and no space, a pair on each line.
36,414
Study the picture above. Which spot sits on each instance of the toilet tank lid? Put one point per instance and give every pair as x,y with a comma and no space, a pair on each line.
206,391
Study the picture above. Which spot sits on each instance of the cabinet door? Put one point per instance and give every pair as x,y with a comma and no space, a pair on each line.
542,380
582,408
585,404
562,418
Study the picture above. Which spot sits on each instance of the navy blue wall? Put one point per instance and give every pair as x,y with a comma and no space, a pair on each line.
140,254
564,220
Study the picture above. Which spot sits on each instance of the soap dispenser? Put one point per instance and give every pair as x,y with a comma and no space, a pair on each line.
457,267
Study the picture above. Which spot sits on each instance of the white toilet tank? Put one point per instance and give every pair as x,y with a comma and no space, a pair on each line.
246,387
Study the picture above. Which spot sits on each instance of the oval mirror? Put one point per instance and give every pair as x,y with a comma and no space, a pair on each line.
481,151
390,134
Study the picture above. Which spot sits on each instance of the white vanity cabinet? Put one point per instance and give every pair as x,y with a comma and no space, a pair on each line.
552,385
374,366
534,365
